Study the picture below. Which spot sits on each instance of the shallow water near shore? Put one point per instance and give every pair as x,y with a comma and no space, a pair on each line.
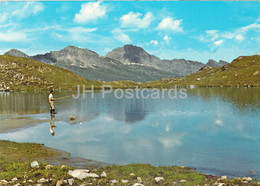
215,130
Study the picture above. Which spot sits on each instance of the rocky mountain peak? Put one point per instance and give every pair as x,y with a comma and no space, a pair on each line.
132,54
75,50
16,53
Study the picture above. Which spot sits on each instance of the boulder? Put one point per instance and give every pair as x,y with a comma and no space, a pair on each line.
14,179
138,184
158,179
48,167
103,174
124,181
43,180
247,179
35,164
113,181
71,181
81,174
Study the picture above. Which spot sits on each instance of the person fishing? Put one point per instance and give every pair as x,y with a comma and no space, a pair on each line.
51,101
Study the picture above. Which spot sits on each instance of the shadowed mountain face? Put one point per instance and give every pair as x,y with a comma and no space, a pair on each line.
125,63
214,64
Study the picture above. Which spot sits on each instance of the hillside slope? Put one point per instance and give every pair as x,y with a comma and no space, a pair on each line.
18,73
243,71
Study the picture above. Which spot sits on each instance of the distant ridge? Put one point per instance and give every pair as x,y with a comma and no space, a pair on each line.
124,63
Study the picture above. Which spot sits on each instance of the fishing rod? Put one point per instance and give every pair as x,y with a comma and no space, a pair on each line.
63,97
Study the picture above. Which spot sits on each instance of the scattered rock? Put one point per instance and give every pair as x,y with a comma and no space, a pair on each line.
183,167
139,179
35,164
48,167
124,181
71,181
30,181
138,184
65,181
132,174
223,177
224,68
247,179
198,79
63,166
3,182
43,180
181,181
157,179
257,72
79,173
113,181
17,184
14,179
72,118
103,174
59,183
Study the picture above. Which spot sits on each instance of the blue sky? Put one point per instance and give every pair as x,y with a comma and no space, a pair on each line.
190,30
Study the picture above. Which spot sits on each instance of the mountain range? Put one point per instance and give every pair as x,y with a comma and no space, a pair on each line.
124,63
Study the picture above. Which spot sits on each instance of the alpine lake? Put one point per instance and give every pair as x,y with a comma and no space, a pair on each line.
215,130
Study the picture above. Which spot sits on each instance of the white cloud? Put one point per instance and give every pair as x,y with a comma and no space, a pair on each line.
133,20
121,36
167,38
219,42
155,42
11,36
170,24
3,17
211,35
90,12
239,37
249,27
30,8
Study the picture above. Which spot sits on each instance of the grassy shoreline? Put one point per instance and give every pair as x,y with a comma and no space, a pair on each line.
15,159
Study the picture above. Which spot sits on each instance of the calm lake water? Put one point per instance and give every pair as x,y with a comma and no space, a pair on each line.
216,130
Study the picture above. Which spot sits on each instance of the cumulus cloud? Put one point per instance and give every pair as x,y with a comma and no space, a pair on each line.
170,24
219,42
134,20
90,12
11,36
121,36
154,42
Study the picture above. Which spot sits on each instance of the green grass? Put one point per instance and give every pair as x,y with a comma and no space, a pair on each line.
241,72
12,151
26,74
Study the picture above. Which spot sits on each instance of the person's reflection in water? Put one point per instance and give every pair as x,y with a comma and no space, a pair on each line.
52,125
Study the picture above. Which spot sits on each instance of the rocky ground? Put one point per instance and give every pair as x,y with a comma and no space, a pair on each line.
36,173
35,164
